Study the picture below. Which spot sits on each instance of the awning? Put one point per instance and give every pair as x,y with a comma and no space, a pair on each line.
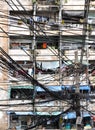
42,113
60,88
73,13
56,113
20,113
22,87
81,87
85,114
69,115
24,113
84,87
50,114
72,115
51,88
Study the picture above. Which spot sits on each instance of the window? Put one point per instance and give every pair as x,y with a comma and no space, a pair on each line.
47,67
23,124
17,45
21,92
14,45
14,117
49,64
43,45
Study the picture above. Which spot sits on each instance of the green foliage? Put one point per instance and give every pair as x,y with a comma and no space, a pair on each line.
33,1
57,2
66,1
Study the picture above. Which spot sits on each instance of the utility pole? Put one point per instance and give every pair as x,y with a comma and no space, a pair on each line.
77,92
34,36
60,40
60,58
85,24
60,47
34,56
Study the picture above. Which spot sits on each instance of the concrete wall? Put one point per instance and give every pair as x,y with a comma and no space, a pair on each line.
3,77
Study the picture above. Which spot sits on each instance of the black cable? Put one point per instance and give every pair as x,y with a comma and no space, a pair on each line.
55,70
18,9
54,118
30,78
15,19
34,21
23,7
88,110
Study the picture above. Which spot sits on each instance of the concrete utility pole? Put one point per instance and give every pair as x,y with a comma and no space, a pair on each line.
60,47
34,35
60,56
77,98
77,92
33,49
85,24
60,40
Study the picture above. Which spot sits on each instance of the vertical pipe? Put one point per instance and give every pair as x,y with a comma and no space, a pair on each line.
60,45
60,54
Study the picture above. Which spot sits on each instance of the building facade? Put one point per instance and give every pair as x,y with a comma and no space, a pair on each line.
44,41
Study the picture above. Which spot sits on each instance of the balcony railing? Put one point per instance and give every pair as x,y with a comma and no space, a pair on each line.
48,2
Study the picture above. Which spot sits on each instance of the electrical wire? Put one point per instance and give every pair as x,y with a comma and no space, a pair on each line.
40,123
32,18
28,76
18,9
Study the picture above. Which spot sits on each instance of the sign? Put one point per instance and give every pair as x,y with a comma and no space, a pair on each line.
79,120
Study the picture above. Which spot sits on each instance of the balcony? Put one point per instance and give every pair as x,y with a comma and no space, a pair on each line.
19,55
48,5
47,2
46,55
